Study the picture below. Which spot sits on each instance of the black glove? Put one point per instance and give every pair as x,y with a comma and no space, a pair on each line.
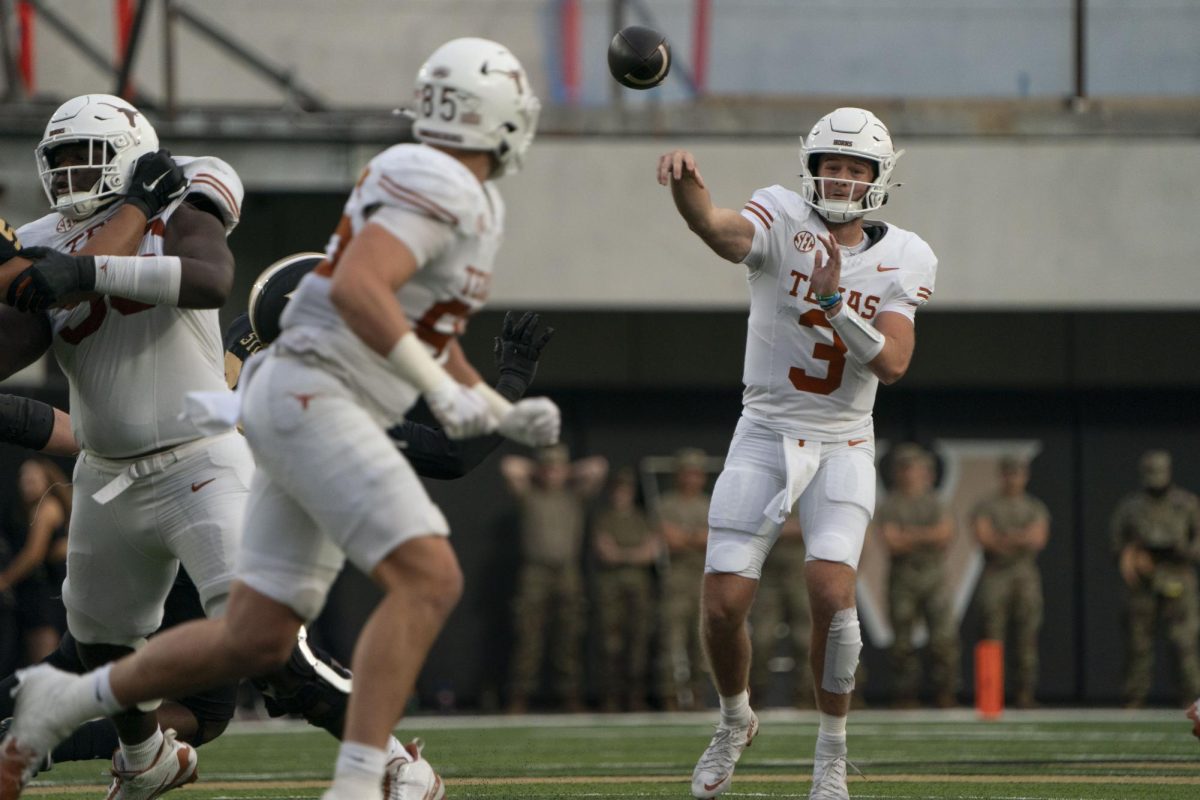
10,245
519,346
156,181
51,277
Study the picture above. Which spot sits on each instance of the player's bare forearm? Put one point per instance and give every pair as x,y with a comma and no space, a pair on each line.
899,341
62,438
726,232
121,236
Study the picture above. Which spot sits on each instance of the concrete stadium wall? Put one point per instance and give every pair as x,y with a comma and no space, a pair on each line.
1018,224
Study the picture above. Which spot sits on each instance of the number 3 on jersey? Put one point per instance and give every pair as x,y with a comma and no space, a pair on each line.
834,353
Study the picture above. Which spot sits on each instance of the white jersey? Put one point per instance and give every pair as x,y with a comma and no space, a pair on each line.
129,364
799,381
423,190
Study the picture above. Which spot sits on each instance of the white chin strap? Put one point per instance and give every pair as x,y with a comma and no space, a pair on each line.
840,210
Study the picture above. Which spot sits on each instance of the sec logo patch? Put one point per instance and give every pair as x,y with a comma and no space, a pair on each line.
805,241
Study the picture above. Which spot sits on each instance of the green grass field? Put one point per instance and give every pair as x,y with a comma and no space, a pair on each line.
1084,755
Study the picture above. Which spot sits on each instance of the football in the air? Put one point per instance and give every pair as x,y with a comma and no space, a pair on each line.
638,57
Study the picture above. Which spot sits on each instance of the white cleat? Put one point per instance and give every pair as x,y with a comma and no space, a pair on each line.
17,766
714,771
829,779
174,765
43,717
412,780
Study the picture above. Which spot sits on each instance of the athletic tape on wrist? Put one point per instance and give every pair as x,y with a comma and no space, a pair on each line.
146,279
862,341
414,363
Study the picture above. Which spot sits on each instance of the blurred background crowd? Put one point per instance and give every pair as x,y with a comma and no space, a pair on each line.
603,611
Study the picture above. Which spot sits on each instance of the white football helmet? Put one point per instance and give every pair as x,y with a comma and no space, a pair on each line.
117,135
851,132
473,94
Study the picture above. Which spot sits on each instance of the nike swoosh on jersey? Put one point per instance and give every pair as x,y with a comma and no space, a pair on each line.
855,442
198,486
882,268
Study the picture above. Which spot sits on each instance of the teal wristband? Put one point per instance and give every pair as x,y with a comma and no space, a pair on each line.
829,301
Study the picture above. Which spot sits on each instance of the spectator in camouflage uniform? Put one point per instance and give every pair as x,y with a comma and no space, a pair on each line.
682,517
550,602
782,600
625,546
1012,528
917,530
1156,537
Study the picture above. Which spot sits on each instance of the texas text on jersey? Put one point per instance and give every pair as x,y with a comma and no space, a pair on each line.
798,379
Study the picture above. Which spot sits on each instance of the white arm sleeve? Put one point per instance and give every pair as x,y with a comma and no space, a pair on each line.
424,236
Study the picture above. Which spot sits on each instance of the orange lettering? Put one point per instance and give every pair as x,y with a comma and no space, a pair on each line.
870,307
797,277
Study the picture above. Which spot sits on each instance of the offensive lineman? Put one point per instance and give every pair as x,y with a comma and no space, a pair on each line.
411,258
832,301
133,329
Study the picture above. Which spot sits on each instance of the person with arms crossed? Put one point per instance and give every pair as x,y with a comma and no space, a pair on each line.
918,528
364,337
832,302
1013,527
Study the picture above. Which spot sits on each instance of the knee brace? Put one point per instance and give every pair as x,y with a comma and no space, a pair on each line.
842,647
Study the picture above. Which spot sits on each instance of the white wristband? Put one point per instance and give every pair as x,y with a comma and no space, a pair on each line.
146,279
413,362
863,342
496,402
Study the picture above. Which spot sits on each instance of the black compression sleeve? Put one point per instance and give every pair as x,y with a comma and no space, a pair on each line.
25,422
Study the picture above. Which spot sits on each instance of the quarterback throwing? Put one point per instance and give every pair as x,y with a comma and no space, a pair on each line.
832,303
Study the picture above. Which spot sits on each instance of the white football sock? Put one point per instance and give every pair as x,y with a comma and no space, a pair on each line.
359,772
138,757
833,725
831,737
735,711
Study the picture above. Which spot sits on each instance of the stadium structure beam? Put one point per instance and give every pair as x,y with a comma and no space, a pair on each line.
304,98
85,48
131,45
